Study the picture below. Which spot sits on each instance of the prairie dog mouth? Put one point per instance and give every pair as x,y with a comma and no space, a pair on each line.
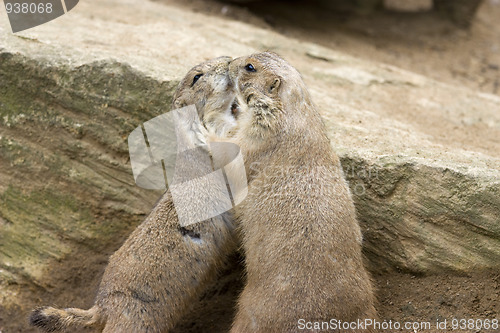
235,109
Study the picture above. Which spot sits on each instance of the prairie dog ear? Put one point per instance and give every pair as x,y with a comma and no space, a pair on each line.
179,103
275,85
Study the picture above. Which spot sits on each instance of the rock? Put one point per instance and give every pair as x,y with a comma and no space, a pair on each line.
418,151
422,157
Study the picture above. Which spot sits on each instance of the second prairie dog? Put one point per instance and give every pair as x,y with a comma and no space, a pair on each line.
161,268
299,231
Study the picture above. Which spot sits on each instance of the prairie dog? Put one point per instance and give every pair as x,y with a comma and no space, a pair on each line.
300,236
162,267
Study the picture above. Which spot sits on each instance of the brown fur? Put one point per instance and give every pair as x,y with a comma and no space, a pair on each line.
161,268
298,224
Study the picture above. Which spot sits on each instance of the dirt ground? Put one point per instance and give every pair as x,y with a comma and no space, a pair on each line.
420,42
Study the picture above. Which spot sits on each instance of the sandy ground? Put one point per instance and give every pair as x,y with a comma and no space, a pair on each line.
420,42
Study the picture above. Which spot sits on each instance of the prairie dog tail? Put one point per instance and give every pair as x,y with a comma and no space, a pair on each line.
56,320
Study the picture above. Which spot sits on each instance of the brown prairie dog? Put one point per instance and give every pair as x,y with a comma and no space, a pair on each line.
301,239
162,267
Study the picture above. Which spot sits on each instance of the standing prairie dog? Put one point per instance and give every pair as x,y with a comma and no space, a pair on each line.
300,236
161,268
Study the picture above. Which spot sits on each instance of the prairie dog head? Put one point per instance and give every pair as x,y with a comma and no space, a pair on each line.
208,86
272,96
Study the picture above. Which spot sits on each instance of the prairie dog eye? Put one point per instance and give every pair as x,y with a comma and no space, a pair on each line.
250,68
196,78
